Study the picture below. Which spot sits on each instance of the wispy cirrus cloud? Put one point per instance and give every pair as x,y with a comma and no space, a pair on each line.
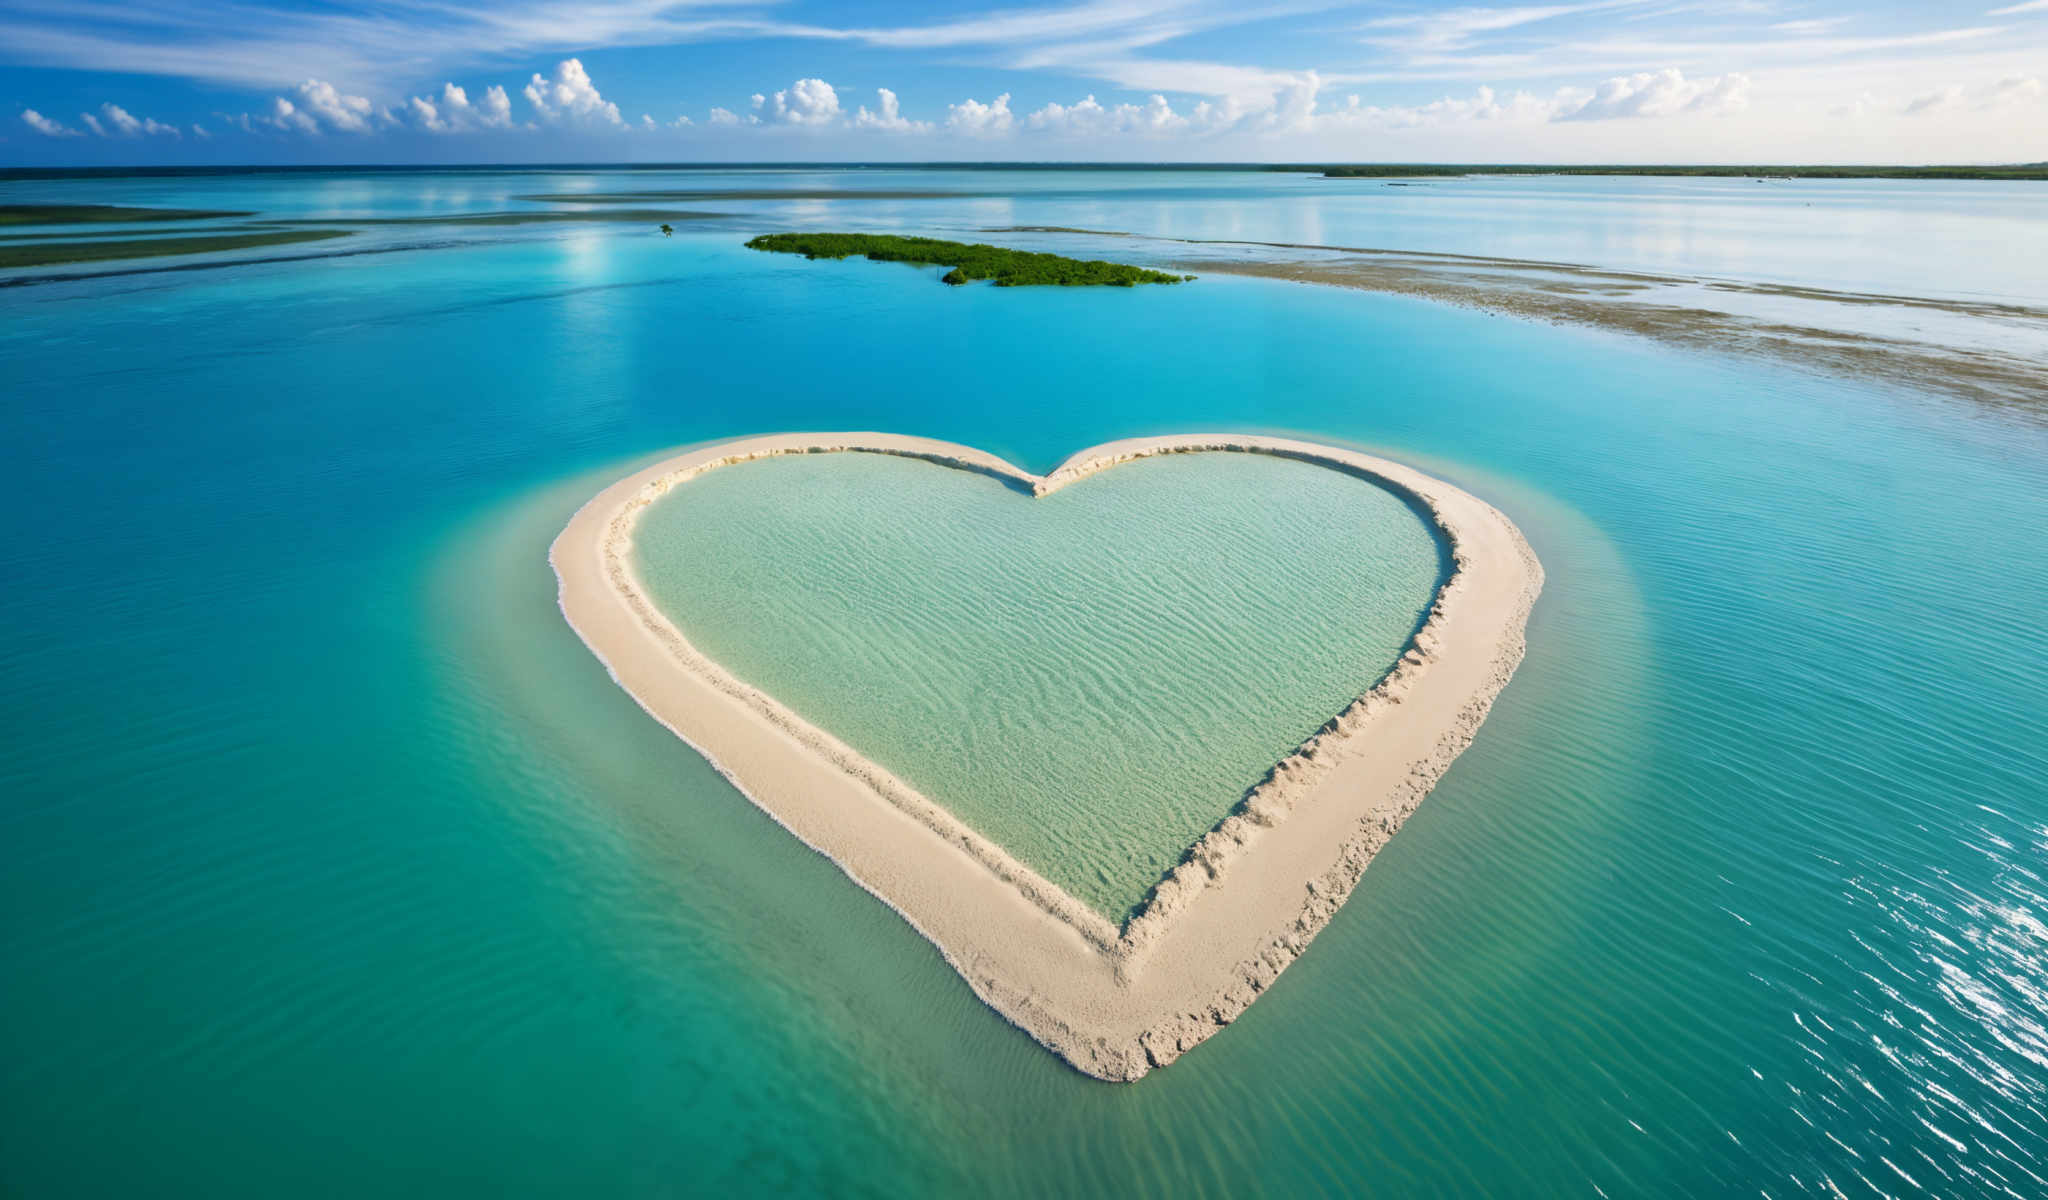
1036,26
266,45
257,44
1442,32
388,47
1595,50
1811,25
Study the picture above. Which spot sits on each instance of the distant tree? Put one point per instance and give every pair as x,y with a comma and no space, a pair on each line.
667,230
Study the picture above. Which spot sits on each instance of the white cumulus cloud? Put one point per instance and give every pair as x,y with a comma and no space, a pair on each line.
425,115
45,126
127,124
971,116
328,106
724,116
286,116
1485,104
320,106
454,111
494,111
1646,94
120,119
889,115
571,97
1091,118
1659,94
805,102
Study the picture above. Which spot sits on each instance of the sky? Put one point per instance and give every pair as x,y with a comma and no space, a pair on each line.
91,82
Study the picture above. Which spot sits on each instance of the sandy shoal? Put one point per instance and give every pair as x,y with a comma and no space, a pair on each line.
1249,895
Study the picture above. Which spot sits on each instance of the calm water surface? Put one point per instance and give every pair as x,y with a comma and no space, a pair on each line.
336,865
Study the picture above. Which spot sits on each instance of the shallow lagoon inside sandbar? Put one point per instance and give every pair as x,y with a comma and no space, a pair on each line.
1091,678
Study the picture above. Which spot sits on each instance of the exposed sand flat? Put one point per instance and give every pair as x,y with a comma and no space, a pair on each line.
1679,312
1249,895
1982,350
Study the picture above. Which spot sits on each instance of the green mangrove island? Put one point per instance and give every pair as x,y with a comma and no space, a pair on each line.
1003,267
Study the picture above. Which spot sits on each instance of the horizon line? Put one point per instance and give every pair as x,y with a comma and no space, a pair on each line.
1276,165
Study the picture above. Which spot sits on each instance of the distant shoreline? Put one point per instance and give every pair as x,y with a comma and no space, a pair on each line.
1961,171
2018,171
1248,896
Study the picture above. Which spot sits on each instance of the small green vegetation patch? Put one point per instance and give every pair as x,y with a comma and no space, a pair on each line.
1005,268
100,214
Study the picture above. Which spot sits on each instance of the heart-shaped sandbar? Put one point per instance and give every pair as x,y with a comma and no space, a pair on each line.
1249,894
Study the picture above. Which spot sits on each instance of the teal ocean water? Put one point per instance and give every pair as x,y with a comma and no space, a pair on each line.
1093,678
335,864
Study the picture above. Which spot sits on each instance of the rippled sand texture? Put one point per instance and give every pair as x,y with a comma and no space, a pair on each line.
1091,679
1249,895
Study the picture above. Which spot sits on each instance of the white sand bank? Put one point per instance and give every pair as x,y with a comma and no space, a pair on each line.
1250,894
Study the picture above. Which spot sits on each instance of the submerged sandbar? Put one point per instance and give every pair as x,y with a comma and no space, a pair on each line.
50,253
1913,344
1248,896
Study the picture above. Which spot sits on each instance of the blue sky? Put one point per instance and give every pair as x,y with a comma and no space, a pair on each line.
176,81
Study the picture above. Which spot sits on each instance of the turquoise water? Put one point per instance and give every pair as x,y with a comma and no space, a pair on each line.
336,865
1092,678
1972,240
